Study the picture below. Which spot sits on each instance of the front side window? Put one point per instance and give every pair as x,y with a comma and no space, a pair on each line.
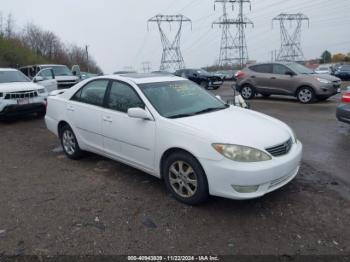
12,77
93,93
122,97
280,69
180,99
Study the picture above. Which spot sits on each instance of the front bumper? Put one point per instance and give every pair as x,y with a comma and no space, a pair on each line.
327,90
266,176
15,110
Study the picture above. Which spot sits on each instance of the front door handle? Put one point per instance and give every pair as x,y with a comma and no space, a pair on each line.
273,77
107,119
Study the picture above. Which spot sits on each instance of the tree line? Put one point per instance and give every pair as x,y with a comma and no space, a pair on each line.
34,45
327,58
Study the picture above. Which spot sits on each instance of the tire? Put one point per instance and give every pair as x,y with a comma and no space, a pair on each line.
204,84
305,95
185,179
69,143
247,92
216,87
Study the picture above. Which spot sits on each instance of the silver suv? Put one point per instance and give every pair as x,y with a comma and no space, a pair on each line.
286,78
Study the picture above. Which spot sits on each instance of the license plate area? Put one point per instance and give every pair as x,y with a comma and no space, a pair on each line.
23,101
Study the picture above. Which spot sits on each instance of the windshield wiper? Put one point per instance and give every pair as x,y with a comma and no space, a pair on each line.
210,109
180,115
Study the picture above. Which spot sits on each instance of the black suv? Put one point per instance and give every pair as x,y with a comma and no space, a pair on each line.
201,77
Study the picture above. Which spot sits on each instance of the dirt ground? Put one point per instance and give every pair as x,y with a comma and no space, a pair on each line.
50,205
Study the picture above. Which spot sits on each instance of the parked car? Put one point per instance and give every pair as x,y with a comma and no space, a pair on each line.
201,77
343,109
64,76
175,130
324,69
19,95
343,72
288,78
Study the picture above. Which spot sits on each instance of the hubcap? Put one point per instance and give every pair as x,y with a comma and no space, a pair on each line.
246,92
68,142
183,179
305,95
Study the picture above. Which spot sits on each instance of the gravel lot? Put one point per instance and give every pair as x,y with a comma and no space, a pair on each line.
51,205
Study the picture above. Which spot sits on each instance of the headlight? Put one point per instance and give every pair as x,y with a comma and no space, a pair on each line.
41,91
295,139
241,153
321,80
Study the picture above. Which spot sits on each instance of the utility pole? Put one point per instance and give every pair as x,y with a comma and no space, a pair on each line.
87,58
172,57
146,67
233,49
290,49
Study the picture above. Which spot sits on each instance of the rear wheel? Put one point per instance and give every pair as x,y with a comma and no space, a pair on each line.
41,113
247,92
69,143
185,178
305,95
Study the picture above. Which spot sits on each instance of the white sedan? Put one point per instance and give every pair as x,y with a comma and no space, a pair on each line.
171,128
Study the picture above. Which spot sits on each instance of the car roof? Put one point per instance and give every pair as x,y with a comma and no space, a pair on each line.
42,65
144,78
7,69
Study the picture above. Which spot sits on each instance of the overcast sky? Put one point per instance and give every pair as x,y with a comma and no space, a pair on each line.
117,34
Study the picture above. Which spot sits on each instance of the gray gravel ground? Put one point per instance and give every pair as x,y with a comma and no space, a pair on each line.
51,205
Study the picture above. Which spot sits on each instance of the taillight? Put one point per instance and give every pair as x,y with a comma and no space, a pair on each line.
239,74
345,98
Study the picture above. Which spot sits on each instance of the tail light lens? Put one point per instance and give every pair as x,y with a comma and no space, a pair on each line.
346,98
239,74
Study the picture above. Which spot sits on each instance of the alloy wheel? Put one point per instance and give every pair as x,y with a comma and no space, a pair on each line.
68,141
305,95
183,179
246,92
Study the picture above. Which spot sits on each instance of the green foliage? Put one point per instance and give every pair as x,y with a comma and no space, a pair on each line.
326,57
14,54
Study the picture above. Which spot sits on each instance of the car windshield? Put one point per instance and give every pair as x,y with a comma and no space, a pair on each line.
180,99
12,77
202,72
60,70
300,69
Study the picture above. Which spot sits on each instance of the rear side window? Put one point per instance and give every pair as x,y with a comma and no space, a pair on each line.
122,97
92,93
280,69
266,68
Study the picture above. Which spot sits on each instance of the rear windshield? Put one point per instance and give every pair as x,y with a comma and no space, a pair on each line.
12,77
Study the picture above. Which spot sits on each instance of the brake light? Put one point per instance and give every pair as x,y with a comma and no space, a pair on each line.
345,98
239,74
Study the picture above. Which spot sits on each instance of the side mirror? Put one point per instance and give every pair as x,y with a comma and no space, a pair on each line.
139,113
38,79
290,73
195,75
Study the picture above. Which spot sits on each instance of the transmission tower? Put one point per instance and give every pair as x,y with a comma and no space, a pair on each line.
171,58
146,67
233,49
290,49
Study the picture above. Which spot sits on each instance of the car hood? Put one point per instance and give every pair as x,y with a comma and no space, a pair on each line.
238,126
66,78
327,77
18,87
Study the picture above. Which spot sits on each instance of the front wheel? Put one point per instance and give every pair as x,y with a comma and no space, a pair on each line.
69,143
185,179
204,85
305,95
247,92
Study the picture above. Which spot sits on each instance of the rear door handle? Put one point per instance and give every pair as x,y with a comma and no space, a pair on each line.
70,108
107,119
